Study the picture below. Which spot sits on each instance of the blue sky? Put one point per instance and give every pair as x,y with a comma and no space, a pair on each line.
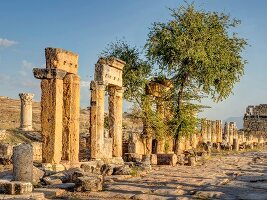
86,27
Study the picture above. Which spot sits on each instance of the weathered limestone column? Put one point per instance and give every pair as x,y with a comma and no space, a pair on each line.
227,132
22,162
231,132
97,119
71,116
213,132
219,130
115,119
209,130
160,114
51,112
204,135
235,144
26,111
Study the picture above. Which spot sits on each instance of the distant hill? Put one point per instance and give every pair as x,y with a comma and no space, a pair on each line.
238,120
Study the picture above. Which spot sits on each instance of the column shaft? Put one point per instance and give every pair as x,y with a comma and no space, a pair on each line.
71,115
26,111
51,119
115,119
97,119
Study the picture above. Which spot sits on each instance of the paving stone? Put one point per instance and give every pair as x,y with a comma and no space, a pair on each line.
50,192
32,196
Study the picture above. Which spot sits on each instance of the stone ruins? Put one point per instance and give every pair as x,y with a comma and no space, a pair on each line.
56,157
60,106
108,76
26,111
255,119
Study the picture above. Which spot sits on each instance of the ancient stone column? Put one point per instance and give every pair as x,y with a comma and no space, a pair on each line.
204,131
219,130
226,132
115,119
51,112
231,132
97,119
213,132
26,111
71,115
209,130
59,105
22,162
160,114
235,144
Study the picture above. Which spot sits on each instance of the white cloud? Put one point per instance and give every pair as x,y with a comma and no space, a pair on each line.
26,68
6,43
85,83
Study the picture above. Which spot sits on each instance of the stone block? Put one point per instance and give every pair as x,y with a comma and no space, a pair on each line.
53,167
50,193
132,157
109,71
40,73
23,162
57,58
167,159
153,159
31,196
107,150
37,175
3,134
89,183
63,186
6,150
192,161
15,187
37,151
49,180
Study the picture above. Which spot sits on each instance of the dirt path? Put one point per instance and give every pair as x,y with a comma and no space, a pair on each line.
239,176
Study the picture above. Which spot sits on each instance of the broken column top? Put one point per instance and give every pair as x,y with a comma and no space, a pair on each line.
57,58
109,71
26,97
113,62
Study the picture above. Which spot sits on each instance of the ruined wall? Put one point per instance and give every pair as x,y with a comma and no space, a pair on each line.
255,119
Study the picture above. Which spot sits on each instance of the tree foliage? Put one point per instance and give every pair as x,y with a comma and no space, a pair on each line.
199,52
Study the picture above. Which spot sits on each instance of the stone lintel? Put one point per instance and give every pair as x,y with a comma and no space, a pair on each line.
113,62
57,58
40,73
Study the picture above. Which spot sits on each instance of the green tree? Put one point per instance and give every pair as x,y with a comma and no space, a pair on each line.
201,54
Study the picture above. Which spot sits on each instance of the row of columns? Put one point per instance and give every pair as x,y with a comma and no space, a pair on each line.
211,131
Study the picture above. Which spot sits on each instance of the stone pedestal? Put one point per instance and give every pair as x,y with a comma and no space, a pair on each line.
23,162
71,115
26,111
97,119
115,119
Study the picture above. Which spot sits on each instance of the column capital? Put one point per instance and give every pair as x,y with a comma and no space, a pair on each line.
26,98
40,73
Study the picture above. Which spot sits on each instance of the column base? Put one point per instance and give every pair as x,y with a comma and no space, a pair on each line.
26,129
117,160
